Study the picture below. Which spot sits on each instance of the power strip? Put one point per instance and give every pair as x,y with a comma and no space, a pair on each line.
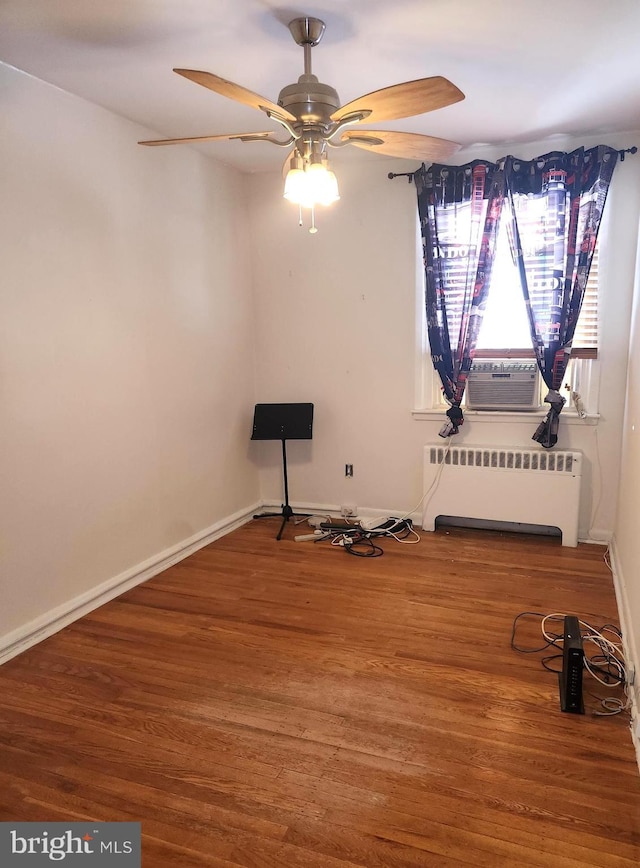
374,523
338,526
316,535
385,524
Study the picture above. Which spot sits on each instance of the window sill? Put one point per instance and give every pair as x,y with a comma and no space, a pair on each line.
568,417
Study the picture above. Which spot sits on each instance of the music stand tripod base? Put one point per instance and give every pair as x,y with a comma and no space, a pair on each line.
287,513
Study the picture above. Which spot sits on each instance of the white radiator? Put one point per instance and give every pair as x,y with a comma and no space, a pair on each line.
501,484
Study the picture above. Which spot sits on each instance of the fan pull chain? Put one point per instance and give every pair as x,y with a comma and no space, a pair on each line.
313,228
300,216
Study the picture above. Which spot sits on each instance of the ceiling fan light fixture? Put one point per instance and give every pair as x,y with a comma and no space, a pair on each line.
322,185
315,184
295,182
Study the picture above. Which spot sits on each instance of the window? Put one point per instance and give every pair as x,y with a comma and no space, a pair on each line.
557,201
505,325
505,331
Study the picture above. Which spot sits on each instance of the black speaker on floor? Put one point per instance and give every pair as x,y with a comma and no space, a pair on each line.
282,422
572,666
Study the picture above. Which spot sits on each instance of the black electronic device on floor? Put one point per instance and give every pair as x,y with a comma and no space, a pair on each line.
282,422
570,678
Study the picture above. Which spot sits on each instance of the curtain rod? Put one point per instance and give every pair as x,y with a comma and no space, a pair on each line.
409,175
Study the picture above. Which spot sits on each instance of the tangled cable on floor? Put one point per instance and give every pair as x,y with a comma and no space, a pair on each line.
606,664
360,542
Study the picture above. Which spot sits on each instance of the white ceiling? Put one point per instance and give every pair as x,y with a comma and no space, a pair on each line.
530,70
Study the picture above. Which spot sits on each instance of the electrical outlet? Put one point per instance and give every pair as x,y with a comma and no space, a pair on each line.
348,509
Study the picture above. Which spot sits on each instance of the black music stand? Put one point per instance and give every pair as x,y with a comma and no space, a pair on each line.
282,422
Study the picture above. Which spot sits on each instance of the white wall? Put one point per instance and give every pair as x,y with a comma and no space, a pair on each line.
126,348
626,542
338,324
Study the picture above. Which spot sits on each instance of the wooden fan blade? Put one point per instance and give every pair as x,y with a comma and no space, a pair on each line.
234,91
404,100
219,138
411,146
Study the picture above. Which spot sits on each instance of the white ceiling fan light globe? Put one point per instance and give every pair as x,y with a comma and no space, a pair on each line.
295,186
322,185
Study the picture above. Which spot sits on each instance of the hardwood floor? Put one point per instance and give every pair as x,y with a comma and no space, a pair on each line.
271,703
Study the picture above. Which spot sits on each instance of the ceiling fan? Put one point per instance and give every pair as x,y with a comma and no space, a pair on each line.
314,121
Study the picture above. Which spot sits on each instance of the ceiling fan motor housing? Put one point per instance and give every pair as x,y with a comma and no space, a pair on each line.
309,100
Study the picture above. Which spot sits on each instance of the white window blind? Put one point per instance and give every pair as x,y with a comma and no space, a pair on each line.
458,228
505,324
539,228
586,336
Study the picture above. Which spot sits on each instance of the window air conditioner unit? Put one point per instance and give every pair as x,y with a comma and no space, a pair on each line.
503,385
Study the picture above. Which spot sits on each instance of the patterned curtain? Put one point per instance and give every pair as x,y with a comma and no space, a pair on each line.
555,207
459,208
